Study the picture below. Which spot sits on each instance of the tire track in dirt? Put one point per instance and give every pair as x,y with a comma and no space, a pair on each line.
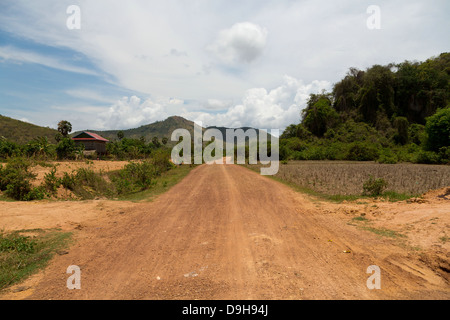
225,232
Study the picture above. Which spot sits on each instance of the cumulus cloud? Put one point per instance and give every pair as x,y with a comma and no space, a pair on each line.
132,112
242,43
263,109
258,107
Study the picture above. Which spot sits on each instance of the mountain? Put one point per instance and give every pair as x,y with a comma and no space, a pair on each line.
159,129
22,132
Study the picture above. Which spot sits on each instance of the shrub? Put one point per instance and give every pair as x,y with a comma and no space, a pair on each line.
51,182
374,187
68,181
388,156
15,178
438,130
67,148
88,184
161,160
427,157
362,152
36,193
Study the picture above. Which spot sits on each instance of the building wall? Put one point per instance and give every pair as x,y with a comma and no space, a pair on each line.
98,146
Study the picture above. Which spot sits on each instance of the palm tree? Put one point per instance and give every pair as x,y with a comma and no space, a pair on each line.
64,127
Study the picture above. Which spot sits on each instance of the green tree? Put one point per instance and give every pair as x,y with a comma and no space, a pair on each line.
66,148
120,135
437,128
319,116
64,127
155,142
401,124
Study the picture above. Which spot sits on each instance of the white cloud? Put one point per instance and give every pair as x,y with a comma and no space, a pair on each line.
87,94
263,109
21,56
258,107
242,43
132,112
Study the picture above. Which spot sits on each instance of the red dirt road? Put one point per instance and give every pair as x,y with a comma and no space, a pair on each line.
225,232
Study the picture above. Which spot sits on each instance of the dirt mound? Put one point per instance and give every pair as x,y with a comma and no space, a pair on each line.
437,195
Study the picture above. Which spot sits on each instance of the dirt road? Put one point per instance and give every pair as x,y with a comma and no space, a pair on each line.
225,232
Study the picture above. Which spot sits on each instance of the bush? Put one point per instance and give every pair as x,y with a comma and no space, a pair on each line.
88,184
427,157
51,182
67,148
388,156
36,193
362,152
15,179
438,129
68,181
161,160
135,177
374,187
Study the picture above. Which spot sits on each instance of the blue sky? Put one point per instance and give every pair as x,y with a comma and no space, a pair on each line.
248,63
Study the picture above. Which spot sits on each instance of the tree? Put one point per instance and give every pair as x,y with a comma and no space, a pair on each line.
120,135
155,141
319,116
164,140
64,127
438,130
401,124
66,148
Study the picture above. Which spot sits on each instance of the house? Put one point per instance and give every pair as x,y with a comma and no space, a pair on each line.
91,142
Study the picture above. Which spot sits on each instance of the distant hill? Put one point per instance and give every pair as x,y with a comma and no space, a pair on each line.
158,129
22,132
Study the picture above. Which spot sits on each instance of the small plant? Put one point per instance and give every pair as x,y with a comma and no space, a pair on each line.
374,187
36,193
15,179
51,182
68,181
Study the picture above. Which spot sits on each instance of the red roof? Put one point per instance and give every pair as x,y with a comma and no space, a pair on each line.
95,137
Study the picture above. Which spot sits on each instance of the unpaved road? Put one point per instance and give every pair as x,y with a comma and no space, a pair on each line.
225,232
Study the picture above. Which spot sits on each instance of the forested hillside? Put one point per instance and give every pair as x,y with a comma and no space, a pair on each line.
391,113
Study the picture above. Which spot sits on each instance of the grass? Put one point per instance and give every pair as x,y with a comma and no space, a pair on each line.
384,232
444,239
164,182
24,252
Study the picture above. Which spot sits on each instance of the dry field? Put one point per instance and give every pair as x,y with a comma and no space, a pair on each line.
347,178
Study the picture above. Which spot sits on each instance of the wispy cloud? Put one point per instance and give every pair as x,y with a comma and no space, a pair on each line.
15,55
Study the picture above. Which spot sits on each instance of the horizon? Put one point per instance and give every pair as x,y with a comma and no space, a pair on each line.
252,64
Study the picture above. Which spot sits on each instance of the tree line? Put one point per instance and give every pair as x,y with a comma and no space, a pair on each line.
66,149
390,113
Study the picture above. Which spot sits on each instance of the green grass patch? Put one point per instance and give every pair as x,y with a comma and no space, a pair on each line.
24,252
164,182
444,239
384,232
360,218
